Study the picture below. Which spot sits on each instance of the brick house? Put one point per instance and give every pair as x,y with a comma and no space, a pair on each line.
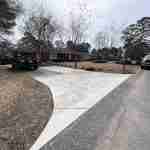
65,54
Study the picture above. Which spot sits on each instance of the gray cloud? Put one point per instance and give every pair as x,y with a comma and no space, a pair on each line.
104,12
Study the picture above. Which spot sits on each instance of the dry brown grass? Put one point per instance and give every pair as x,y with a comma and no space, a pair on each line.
108,67
104,67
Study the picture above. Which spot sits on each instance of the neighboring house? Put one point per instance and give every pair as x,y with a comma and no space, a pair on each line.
65,54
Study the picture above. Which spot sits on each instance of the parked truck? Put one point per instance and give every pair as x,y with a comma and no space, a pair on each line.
29,59
25,60
29,53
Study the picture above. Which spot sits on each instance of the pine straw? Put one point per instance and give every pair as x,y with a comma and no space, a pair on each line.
25,108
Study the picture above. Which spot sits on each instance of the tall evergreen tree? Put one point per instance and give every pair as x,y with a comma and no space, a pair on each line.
9,9
136,38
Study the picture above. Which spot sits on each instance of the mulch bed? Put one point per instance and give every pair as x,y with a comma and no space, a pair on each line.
25,108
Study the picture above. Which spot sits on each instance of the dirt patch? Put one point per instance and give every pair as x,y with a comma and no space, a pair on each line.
25,108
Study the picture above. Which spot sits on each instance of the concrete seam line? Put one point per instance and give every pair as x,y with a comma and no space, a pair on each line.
107,140
118,127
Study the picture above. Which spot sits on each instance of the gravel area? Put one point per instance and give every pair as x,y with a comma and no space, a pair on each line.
25,108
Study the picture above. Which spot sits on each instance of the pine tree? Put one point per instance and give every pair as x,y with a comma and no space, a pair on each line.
9,9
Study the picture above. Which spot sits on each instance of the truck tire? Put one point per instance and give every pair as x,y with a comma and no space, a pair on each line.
14,66
34,67
142,67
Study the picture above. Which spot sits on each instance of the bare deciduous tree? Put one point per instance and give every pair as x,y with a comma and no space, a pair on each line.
78,25
42,27
101,40
108,37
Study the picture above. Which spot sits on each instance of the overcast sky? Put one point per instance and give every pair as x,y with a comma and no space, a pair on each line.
104,12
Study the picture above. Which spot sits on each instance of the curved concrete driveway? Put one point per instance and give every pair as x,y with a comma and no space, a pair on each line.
119,122
74,92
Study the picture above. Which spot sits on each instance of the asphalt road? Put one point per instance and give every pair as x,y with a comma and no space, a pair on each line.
121,121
